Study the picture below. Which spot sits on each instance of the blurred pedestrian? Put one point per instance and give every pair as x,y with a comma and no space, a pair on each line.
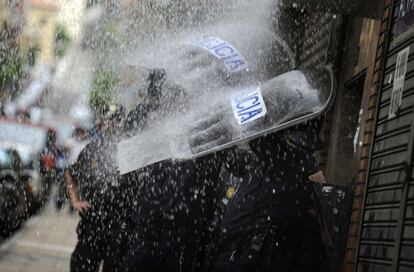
71,151
61,193
96,193
2,110
48,158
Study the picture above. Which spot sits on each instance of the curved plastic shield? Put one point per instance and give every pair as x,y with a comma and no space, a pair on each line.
242,114
251,112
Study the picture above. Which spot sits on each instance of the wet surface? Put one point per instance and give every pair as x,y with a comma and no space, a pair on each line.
44,243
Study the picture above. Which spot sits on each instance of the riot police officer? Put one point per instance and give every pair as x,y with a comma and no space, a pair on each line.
270,223
165,207
172,202
96,193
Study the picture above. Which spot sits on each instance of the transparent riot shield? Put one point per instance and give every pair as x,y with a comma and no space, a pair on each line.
253,111
244,113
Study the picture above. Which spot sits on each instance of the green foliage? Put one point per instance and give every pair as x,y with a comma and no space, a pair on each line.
102,89
32,55
11,62
109,41
62,40
10,68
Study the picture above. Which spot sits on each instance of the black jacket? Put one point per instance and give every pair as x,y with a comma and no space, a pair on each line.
98,181
276,187
276,191
174,194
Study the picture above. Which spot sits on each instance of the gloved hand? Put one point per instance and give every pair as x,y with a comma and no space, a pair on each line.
162,98
212,131
219,129
156,78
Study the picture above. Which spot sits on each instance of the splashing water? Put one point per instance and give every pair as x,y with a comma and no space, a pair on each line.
204,77
244,25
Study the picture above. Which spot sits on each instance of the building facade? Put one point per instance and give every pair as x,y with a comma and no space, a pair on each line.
383,227
38,37
369,133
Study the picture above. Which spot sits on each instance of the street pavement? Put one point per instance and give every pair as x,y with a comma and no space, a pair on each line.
44,243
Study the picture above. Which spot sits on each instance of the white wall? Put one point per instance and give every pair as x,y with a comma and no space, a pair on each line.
70,15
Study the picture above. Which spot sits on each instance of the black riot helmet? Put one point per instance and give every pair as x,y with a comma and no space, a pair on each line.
109,119
138,116
156,79
112,112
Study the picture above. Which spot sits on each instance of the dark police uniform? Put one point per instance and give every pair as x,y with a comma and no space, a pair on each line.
172,206
100,228
268,225
173,201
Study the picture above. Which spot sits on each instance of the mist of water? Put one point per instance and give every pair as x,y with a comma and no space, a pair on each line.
164,34
172,46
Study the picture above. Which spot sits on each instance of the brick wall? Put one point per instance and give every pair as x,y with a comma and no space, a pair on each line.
368,129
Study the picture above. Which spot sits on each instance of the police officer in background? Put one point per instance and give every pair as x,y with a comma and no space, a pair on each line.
95,191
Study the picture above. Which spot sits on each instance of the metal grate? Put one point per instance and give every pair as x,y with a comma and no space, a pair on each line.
386,241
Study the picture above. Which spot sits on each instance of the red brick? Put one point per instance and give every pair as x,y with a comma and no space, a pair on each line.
372,102
375,78
384,24
386,14
374,87
348,267
358,201
365,152
371,105
381,39
363,165
371,114
378,65
369,126
367,137
362,177
353,231
359,190
350,256
373,95
355,217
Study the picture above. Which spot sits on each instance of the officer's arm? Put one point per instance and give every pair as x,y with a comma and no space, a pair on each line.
81,206
74,197
137,118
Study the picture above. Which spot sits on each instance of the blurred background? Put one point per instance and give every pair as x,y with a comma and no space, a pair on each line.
60,60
